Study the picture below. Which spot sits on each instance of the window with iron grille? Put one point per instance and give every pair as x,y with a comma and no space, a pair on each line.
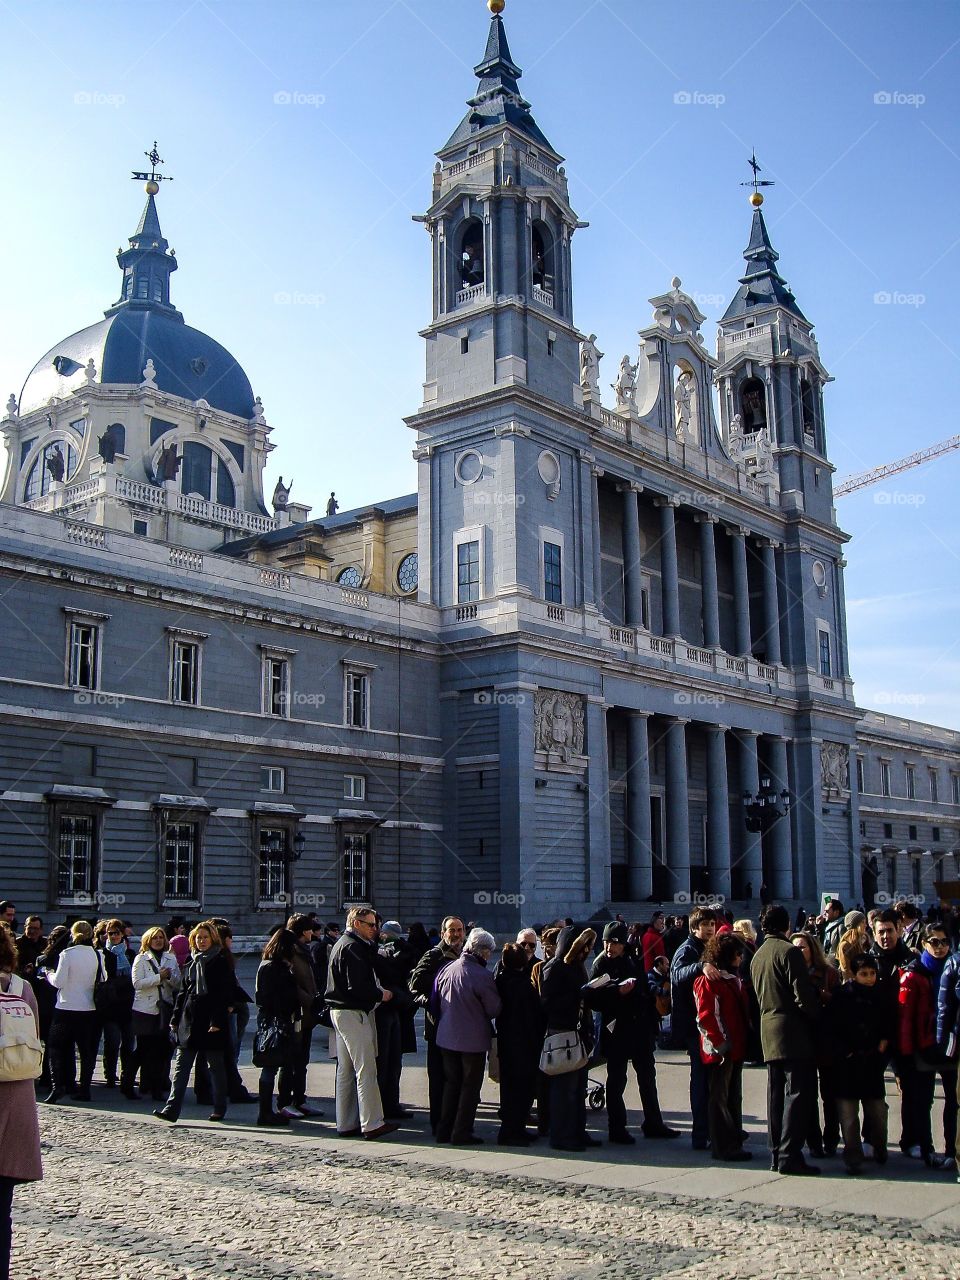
84,655
273,864
356,868
76,836
181,862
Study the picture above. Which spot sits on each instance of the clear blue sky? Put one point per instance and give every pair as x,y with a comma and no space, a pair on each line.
313,198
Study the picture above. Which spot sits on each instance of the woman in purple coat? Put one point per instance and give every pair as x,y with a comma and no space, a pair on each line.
19,1130
466,1001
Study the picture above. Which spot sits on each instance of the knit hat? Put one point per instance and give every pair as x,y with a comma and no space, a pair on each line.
853,918
391,929
615,932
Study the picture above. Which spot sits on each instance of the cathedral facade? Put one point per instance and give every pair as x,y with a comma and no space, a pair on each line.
598,659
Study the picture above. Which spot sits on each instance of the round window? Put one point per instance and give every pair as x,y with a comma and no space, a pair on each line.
350,577
548,465
408,573
469,467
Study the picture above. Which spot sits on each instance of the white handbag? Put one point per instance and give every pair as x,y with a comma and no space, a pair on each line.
562,1051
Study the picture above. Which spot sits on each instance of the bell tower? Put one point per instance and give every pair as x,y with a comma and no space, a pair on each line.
501,226
771,379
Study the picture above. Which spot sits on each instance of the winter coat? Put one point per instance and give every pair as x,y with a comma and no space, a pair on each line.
889,965
788,1000
948,1002
204,1001
723,1018
466,1002
520,1026
146,980
917,1028
563,979
277,993
19,1127
422,980
858,1019
306,979
653,946
394,964
76,976
685,967
351,974
627,1023
29,952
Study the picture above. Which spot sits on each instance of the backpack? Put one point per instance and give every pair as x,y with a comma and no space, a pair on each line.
20,1049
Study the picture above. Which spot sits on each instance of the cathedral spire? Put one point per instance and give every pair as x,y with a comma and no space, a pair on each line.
149,262
762,286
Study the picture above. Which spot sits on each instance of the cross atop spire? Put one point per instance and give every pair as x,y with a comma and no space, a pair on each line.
148,264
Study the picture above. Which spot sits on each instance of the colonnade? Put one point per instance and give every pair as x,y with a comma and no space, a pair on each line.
721,840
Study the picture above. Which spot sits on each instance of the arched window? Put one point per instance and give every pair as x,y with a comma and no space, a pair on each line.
226,494
196,470
807,411
541,258
41,476
471,265
753,405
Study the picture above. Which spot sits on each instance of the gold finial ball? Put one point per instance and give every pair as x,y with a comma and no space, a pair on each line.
151,187
496,6
756,199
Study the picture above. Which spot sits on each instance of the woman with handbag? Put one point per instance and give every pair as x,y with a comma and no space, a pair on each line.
200,1021
75,1027
563,999
278,1007
156,979
19,1067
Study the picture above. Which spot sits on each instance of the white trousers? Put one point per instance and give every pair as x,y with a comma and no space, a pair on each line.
358,1094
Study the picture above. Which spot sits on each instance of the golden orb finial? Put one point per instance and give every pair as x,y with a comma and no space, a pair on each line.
151,187
756,199
496,6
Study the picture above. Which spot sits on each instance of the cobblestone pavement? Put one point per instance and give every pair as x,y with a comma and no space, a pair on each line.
129,1198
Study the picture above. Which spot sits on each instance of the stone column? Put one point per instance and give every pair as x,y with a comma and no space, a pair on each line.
741,591
771,602
708,582
595,474
597,802
718,810
781,844
751,860
638,829
669,573
632,583
677,851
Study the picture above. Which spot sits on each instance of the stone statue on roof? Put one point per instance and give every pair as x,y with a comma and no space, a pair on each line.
281,495
333,506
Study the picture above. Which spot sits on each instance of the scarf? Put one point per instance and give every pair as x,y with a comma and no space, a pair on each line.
933,964
200,961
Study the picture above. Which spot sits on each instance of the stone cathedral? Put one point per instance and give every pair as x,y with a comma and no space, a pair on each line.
597,661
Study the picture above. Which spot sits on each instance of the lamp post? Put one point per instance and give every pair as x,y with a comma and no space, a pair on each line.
765,808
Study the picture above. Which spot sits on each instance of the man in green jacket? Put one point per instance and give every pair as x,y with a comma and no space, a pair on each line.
789,1007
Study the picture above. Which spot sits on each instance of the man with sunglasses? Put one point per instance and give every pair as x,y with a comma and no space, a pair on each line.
921,1058
353,994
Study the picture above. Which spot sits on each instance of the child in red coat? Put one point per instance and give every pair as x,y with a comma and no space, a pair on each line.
723,1019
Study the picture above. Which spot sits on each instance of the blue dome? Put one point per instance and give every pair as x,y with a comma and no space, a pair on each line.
188,363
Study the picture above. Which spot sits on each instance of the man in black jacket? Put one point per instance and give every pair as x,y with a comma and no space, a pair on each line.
353,994
685,967
629,1027
421,985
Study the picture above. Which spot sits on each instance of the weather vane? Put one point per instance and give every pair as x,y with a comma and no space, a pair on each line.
153,178
756,182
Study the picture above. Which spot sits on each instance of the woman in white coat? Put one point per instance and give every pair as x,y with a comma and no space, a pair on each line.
156,979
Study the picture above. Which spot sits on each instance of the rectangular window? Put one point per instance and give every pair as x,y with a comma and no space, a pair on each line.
911,832
861,788
76,835
934,786
272,882
273,777
552,576
823,638
955,783
888,831
884,777
911,782
357,700
356,868
354,786
468,572
181,862
185,672
84,655
276,686
935,834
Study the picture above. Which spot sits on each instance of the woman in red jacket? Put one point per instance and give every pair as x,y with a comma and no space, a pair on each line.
920,1061
723,1019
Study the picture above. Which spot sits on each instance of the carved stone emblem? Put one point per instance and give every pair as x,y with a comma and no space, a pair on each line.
834,767
559,723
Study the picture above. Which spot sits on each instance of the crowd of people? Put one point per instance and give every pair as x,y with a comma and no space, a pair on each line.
829,1006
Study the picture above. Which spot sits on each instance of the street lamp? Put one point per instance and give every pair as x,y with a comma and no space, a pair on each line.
765,808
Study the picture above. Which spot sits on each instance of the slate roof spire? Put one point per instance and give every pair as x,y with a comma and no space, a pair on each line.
148,264
762,285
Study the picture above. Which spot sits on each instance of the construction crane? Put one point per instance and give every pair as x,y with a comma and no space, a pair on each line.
860,481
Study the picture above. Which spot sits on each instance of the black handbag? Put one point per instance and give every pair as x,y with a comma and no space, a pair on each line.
112,994
273,1042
